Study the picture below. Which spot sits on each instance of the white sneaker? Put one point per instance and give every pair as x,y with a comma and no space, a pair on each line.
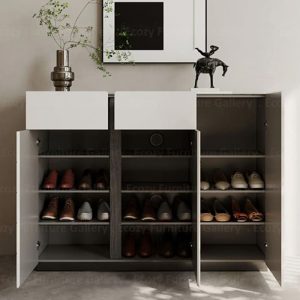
103,211
255,181
85,212
205,185
183,212
164,212
238,181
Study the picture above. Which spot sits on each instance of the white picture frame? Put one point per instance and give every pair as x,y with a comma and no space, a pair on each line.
184,23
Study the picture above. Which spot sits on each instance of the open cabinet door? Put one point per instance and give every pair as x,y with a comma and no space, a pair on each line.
196,205
27,204
273,184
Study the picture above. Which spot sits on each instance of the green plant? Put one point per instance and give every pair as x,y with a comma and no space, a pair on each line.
67,35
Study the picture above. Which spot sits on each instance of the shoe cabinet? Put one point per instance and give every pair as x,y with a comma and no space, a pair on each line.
149,143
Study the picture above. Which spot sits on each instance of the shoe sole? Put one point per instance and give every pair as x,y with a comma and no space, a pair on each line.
256,186
103,217
85,217
222,217
67,219
48,218
206,217
222,186
239,186
185,217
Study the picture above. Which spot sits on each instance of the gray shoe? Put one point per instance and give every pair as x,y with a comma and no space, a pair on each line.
164,212
85,212
183,212
103,211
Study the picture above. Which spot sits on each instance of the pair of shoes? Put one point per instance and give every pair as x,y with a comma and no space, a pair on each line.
67,211
238,181
145,247
182,246
67,181
156,208
85,212
249,212
98,181
216,211
50,211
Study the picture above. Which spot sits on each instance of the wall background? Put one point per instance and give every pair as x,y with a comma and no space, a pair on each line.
259,40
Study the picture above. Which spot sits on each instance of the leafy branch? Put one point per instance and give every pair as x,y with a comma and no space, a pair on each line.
54,17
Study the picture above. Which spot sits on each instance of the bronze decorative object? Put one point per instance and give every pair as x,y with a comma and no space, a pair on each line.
62,75
208,65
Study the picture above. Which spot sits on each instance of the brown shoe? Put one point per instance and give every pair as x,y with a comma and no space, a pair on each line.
237,213
253,214
67,181
50,180
167,245
131,211
68,211
85,181
148,212
146,247
51,209
129,246
101,181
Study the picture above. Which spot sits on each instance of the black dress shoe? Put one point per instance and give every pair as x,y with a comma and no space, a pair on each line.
129,246
167,245
146,246
184,245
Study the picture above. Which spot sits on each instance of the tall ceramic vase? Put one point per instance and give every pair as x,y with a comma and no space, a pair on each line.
62,75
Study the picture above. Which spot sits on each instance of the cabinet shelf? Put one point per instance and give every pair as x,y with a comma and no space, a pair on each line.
231,253
74,191
75,253
74,154
232,223
73,223
231,154
232,191
155,223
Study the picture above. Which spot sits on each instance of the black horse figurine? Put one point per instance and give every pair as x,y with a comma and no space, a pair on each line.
208,65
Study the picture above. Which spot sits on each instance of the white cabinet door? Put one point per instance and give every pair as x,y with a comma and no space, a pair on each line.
67,110
27,204
155,110
196,205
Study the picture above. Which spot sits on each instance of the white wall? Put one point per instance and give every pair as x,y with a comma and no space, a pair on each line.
259,40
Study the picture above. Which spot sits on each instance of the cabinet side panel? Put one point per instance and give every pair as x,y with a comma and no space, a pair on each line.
273,184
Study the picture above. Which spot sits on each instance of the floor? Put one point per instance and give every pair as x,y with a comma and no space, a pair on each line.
140,286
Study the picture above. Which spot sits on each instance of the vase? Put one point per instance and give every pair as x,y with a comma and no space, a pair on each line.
62,75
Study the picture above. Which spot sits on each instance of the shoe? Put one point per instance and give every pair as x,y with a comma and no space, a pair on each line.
50,180
148,212
206,211
221,213
253,214
86,181
205,185
68,211
255,181
237,213
131,211
164,212
103,211
101,181
184,245
182,210
51,210
146,247
85,212
167,245
129,246
68,180
238,181
220,181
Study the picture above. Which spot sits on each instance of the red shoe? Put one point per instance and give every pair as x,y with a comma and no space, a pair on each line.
68,180
50,180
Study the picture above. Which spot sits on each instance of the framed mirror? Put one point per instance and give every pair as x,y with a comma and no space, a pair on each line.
155,31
